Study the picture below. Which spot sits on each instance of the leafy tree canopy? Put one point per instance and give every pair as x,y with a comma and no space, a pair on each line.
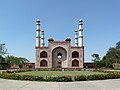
95,57
3,50
1,59
12,60
118,45
112,56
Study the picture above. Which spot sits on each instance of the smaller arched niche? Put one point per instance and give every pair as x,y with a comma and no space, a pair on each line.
75,54
43,63
43,54
75,63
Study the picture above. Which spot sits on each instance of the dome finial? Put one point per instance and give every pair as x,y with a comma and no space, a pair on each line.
38,20
80,20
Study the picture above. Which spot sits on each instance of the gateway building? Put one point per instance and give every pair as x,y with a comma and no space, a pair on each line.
59,54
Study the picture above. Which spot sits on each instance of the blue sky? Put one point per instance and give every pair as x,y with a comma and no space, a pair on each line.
59,19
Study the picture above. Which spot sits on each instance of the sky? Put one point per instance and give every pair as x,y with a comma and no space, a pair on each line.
59,19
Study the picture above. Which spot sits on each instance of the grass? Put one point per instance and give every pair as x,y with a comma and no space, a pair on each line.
59,73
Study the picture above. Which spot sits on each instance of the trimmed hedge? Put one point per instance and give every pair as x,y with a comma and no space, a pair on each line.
80,78
113,75
10,76
110,75
35,78
20,77
96,77
64,79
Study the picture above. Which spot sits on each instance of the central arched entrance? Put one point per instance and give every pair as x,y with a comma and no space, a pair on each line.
59,54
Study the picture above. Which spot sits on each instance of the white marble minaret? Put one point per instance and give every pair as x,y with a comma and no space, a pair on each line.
38,33
80,29
42,39
76,38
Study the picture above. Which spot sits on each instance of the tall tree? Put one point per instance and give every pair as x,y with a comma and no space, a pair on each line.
3,50
2,60
118,45
19,61
95,59
112,55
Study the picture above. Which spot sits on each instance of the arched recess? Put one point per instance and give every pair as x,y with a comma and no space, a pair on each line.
59,54
75,54
75,63
43,63
43,54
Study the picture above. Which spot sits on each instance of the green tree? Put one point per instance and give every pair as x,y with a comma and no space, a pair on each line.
106,62
21,61
2,59
118,45
3,50
12,60
96,59
112,56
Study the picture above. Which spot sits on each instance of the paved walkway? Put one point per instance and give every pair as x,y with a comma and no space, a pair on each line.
83,85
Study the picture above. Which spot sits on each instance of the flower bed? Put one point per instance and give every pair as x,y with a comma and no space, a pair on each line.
67,78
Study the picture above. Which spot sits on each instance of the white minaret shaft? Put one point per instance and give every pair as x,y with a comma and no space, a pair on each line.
38,33
42,39
76,38
80,33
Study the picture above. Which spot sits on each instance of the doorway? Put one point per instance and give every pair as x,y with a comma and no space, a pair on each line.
59,64
59,55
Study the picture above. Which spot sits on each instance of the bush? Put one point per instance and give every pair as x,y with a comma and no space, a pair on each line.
80,78
27,77
96,77
64,79
38,78
51,78
35,78
59,78
16,71
48,69
110,75
10,76
113,75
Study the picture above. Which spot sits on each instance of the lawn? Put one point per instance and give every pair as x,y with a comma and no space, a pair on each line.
59,73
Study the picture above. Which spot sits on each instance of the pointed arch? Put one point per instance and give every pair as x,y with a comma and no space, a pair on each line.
59,54
43,54
75,63
75,54
43,63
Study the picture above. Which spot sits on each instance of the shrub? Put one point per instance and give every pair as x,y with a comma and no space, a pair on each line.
65,78
80,78
110,75
59,78
50,78
38,78
96,77
10,76
27,77
113,75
